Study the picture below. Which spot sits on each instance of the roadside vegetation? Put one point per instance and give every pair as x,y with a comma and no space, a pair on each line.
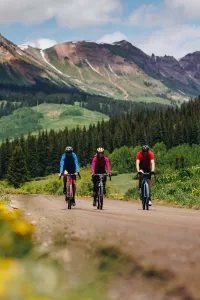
177,178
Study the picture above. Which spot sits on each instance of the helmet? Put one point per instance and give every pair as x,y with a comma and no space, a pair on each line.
100,150
68,149
145,148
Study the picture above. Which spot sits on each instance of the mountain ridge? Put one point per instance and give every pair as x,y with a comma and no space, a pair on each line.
119,70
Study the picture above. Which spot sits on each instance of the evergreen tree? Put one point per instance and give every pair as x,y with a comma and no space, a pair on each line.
17,170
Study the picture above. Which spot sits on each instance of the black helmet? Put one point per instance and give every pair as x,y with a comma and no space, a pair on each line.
145,148
68,149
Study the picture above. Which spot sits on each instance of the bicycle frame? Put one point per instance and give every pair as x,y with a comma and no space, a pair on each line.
145,186
69,190
145,190
100,190
69,185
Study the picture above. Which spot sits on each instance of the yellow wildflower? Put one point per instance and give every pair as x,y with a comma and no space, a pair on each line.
23,228
8,268
7,263
2,206
10,215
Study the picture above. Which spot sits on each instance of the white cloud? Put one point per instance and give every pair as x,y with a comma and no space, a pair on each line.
175,41
190,9
173,34
156,15
146,16
113,37
41,43
168,13
68,13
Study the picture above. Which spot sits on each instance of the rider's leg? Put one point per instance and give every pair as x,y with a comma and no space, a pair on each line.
149,183
64,184
94,179
74,189
140,177
104,185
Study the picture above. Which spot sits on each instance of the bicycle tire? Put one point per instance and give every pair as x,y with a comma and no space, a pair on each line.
98,202
101,197
143,203
147,193
69,203
143,197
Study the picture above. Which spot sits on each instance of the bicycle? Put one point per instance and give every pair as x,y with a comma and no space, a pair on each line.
145,190
99,197
69,197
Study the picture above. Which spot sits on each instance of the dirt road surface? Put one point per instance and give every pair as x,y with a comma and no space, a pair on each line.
165,237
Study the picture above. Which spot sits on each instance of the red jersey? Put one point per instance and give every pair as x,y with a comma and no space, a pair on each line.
145,160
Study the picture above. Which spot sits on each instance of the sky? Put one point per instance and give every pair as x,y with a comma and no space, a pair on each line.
162,27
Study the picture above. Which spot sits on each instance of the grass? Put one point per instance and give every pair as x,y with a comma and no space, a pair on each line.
180,188
46,117
120,184
52,118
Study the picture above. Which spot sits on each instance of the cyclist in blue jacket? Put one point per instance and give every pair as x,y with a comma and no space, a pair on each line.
69,165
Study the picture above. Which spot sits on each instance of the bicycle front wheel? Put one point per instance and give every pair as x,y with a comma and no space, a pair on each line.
144,203
101,197
146,193
69,203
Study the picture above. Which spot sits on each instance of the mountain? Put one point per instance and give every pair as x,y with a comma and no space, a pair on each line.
191,64
120,70
25,67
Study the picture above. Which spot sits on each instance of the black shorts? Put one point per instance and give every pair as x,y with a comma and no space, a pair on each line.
147,171
95,180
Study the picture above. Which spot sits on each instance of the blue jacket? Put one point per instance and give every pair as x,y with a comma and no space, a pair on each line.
69,163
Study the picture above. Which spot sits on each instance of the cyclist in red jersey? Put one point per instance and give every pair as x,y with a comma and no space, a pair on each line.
100,165
145,163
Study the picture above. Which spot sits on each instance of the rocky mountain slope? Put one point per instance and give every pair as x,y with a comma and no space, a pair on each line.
119,70
25,67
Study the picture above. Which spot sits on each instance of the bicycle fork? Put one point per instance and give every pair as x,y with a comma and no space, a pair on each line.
146,190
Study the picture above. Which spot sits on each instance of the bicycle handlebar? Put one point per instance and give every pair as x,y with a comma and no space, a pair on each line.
104,174
149,173
69,175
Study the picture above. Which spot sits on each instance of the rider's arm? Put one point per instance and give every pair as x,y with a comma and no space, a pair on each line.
62,162
138,158
152,161
152,165
94,160
107,165
137,165
76,162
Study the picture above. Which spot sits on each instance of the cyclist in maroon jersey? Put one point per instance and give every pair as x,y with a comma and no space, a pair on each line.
145,163
100,165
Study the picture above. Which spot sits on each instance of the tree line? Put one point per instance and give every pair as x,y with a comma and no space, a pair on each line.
101,104
42,153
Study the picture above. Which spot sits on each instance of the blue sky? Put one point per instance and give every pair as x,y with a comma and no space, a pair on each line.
170,27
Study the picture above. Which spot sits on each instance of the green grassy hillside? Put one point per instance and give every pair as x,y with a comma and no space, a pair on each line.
46,117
